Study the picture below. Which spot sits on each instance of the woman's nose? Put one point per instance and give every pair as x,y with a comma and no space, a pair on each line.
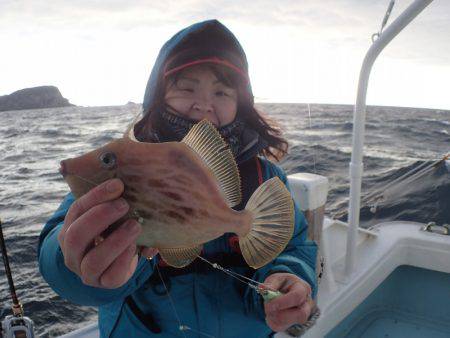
203,104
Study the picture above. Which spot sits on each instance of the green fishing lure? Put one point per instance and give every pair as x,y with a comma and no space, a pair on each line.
268,295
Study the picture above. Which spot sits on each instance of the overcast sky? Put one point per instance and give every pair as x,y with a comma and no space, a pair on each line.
100,52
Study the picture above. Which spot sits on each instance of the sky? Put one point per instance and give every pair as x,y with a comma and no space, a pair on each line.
101,52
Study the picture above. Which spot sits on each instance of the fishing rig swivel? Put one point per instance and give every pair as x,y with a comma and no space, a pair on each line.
259,287
15,325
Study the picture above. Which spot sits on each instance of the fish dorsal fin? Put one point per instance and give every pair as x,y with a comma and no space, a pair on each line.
206,141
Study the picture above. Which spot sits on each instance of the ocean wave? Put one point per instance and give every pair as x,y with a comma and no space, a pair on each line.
35,141
417,192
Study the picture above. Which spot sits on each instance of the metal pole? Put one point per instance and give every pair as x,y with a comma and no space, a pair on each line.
359,118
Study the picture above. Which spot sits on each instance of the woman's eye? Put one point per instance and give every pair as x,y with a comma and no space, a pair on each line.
188,90
221,93
108,160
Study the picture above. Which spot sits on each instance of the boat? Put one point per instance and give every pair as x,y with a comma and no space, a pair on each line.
390,280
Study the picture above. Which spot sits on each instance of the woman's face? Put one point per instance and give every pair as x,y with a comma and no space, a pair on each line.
198,94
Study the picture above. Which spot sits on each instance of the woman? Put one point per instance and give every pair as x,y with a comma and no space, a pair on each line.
201,72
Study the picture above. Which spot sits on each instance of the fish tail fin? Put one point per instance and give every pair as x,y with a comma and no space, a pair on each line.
207,142
273,223
180,257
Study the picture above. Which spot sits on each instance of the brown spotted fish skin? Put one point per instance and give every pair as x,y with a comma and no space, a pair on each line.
182,194
170,191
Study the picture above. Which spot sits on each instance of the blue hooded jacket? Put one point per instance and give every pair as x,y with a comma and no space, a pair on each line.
211,303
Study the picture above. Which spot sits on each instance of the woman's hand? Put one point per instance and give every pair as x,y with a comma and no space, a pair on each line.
293,307
110,262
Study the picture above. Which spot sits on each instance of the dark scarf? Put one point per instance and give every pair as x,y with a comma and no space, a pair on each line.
243,141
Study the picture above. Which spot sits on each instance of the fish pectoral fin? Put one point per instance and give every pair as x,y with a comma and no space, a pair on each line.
180,257
273,223
206,141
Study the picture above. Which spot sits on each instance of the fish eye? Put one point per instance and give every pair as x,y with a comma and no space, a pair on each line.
108,160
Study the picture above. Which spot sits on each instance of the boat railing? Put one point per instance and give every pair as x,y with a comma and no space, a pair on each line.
359,117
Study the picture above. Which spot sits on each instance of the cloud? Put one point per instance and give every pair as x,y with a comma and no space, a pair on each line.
349,23
91,34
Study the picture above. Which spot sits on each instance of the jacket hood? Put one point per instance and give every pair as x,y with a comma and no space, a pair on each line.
207,35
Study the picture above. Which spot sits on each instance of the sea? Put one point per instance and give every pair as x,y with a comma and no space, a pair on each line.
405,177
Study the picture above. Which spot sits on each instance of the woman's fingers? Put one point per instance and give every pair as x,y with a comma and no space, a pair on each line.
121,270
112,261
297,293
80,235
293,306
276,281
99,258
107,191
283,319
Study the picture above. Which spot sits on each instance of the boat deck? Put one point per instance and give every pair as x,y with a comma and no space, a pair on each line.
412,302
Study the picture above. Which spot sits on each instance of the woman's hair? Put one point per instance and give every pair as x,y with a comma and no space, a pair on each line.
266,127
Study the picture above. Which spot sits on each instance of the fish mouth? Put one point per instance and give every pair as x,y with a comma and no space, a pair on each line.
78,185
78,179
70,177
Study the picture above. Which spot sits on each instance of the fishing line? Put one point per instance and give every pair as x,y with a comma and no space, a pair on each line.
400,181
180,326
411,179
233,274
255,285
243,279
187,328
418,174
400,178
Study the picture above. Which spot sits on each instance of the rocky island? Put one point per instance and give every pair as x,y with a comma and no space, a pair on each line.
34,98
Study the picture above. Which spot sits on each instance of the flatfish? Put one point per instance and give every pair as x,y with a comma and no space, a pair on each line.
182,193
